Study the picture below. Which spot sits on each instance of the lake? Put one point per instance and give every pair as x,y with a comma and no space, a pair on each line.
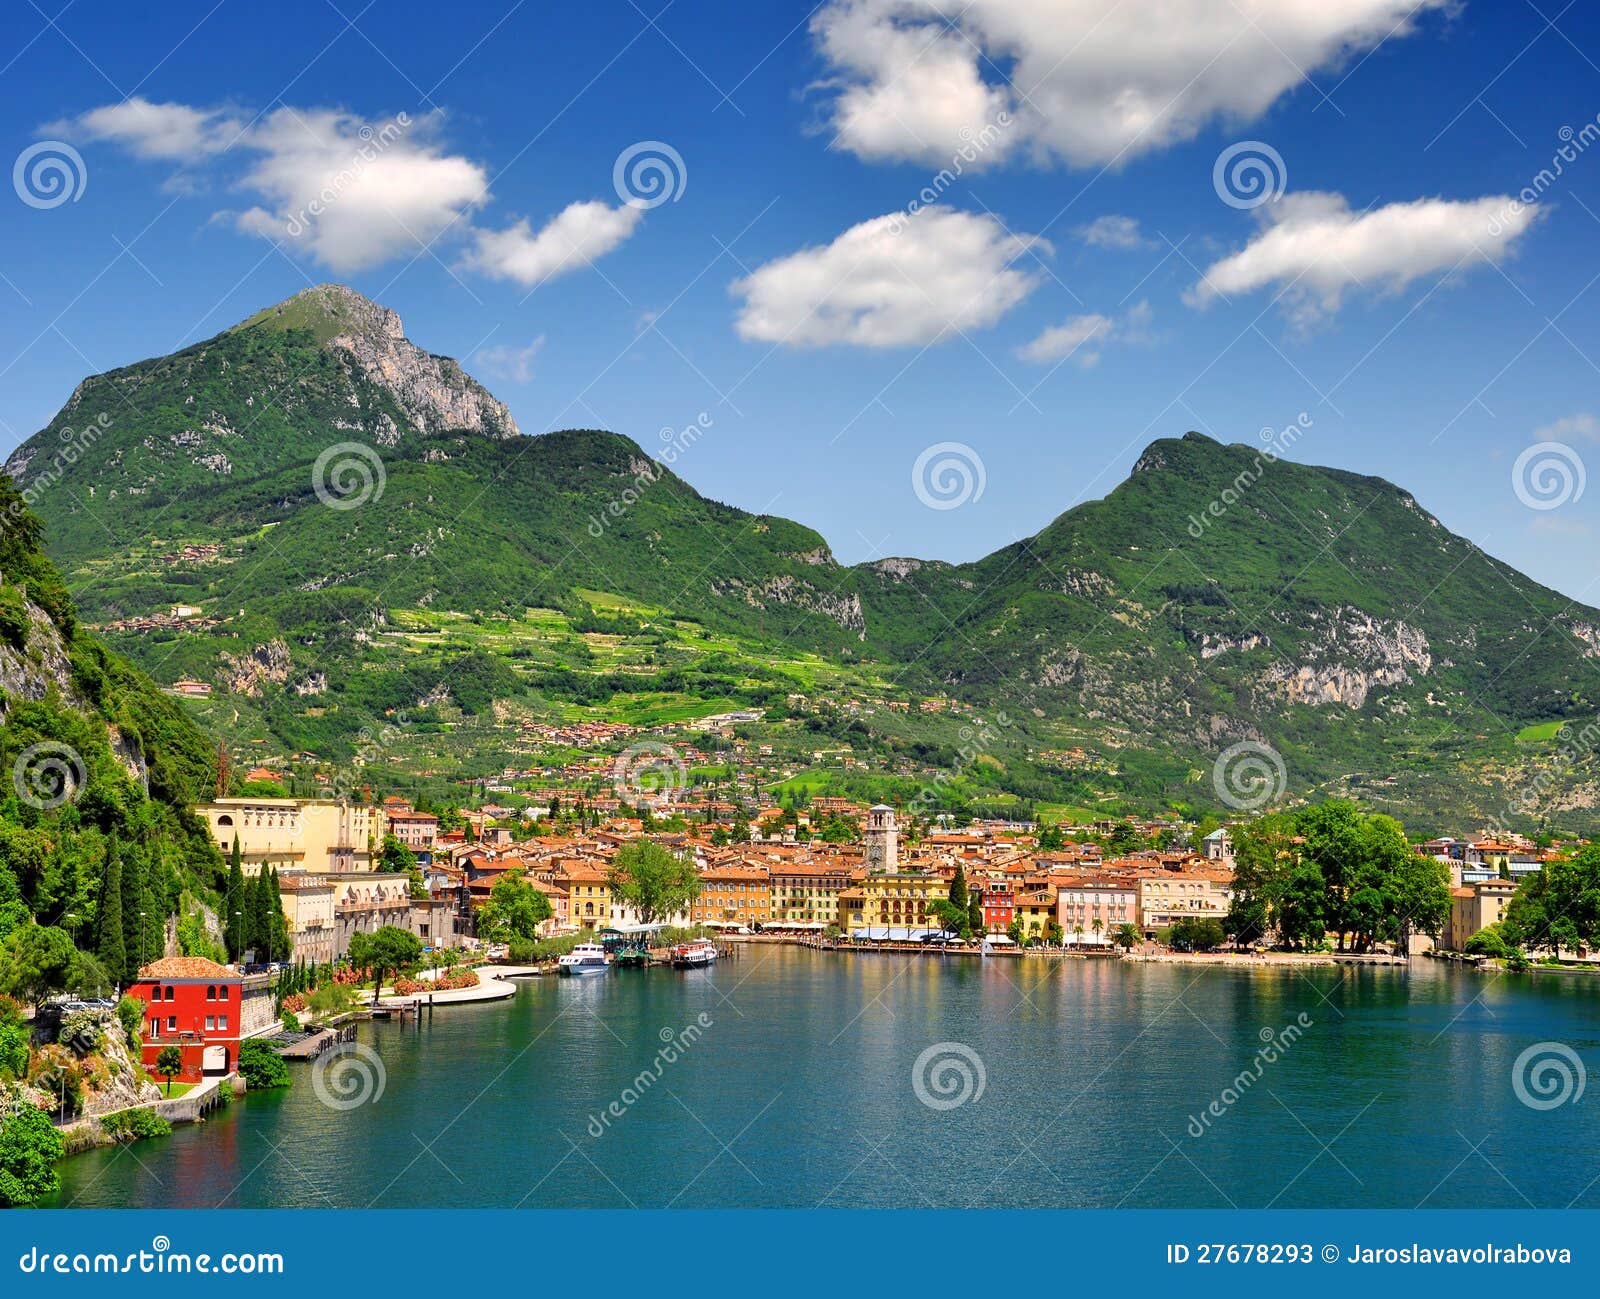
796,1078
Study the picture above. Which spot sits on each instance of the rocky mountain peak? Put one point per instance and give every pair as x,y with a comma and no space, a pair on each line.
434,391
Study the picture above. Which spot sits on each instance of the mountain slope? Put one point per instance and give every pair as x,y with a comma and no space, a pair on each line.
98,764
362,531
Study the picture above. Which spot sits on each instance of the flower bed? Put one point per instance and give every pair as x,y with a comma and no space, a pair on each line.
444,983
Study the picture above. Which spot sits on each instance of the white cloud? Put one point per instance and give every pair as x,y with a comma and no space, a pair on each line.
893,281
173,132
1581,425
508,361
1101,80
1080,338
569,241
1316,248
1067,339
1113,231
348,191
351,192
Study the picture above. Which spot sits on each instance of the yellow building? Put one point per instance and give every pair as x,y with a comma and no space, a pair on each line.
900,900
319,836
588,894
733,895
1034,910
807,893
1477,906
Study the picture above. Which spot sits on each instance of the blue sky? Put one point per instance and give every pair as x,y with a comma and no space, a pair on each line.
1082,287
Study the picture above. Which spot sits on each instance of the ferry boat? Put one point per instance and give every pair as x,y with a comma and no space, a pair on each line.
585,958
689,956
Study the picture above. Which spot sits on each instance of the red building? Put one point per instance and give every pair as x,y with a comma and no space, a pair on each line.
196,1005
999,906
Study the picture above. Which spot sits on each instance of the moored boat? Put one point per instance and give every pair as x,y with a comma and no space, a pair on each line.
585,958
689,956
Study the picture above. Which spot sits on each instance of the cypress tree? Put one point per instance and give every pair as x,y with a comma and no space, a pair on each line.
259,915
135,940
280,921
109,945
234,899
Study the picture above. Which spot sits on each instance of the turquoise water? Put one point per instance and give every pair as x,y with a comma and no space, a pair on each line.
793,1086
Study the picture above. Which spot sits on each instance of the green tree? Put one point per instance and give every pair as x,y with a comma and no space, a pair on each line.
1050,838
975,921
952,919
1126,936
656,883
110,944
36,961
235,899
396,857
958,891
169,1063
278,920
515,909
386,950
135,937
258,916
30,1146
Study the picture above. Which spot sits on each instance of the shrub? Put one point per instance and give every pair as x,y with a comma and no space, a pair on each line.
130,1125
261,1066
82,1032
332,999
29,1148
14,620
290,1021
130,1010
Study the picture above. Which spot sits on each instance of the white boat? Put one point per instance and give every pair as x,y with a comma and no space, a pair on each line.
585,958
689,956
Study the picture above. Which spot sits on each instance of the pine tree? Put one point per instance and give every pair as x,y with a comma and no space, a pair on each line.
234,901
109,944
958,889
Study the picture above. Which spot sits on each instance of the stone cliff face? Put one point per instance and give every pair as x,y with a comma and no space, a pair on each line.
434,391
1349,655
246,674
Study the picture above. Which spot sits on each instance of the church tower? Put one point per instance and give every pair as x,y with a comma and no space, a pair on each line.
883,841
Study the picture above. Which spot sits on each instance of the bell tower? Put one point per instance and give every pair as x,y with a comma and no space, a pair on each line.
883,841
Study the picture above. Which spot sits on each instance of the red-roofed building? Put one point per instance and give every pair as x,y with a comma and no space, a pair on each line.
195,1005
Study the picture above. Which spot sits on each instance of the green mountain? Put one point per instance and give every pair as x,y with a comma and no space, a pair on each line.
364,534
100,767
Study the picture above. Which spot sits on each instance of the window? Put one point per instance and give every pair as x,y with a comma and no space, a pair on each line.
210,1024
222,1023
172,1023
211,992
155,1027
